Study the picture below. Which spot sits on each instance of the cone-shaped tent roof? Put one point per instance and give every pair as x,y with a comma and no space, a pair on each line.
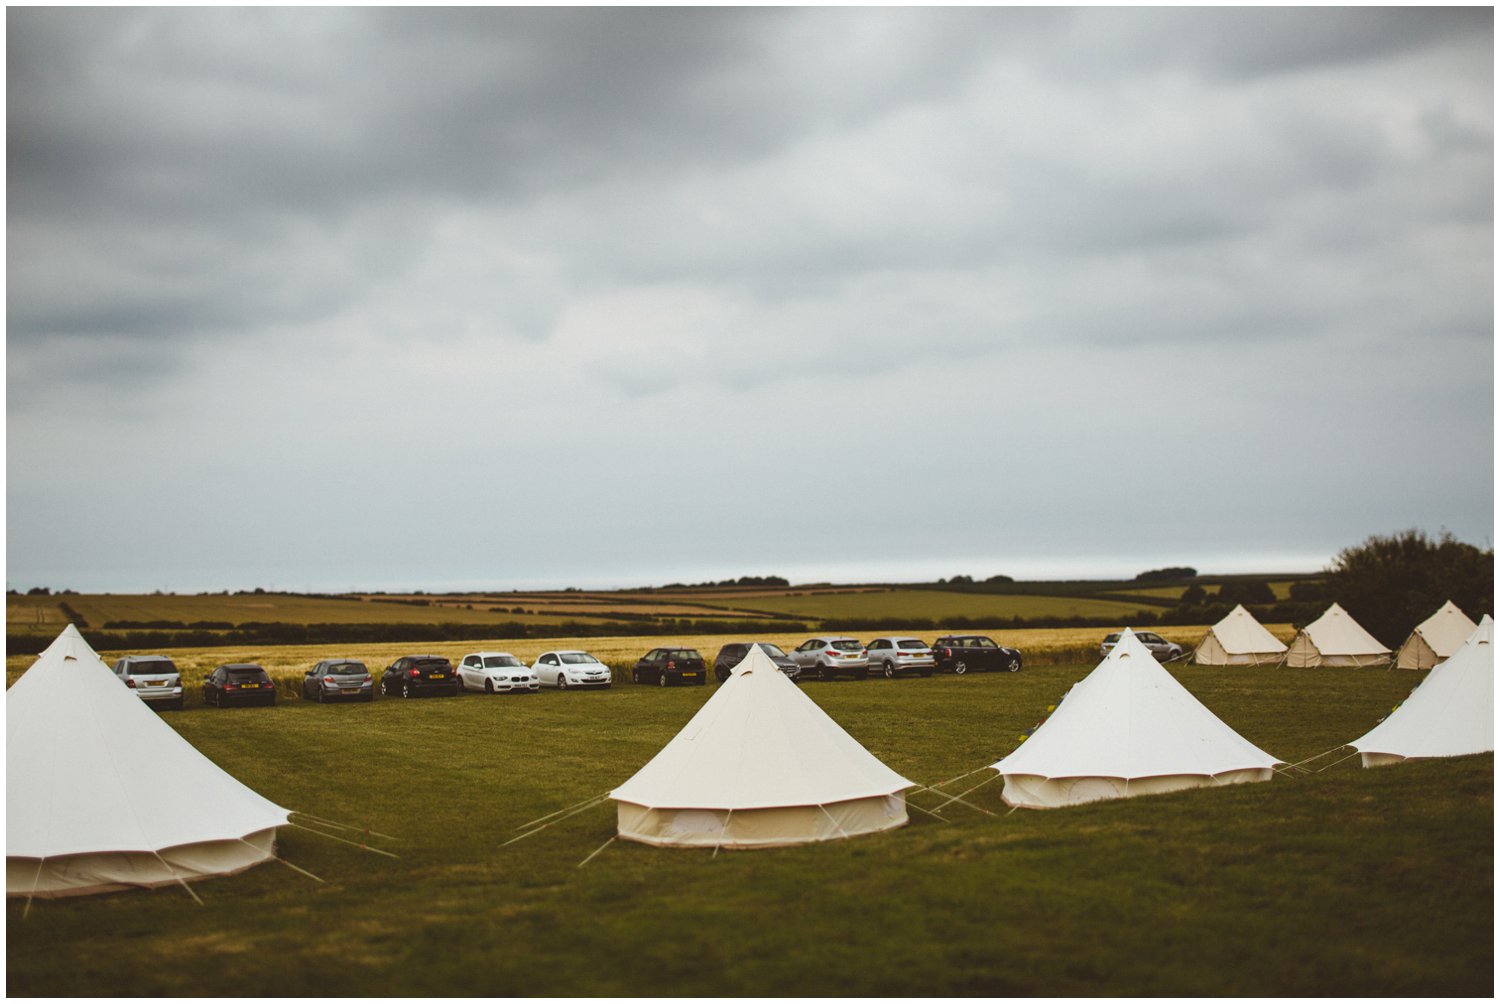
1337,638
759,743
1239,637
1130,719
91,770
1436,638
1450,713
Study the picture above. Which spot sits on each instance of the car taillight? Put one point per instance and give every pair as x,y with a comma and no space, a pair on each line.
228,686
831,651
130,682
947,652
176,682
328,679
368,678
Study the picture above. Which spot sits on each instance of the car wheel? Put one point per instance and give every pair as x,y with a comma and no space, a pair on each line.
662,680
960,668
562,681
890,671
406,690
489,686
1013,665
635,676
823,672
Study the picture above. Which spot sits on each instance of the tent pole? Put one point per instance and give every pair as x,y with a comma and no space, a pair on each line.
586,801
596,853
180,880
351,843
1337,762
539,829
36,881
342,826
835,822
723,830
959,797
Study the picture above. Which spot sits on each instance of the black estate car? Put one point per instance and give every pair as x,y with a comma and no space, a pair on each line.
238,683
670,665
730,655
960,653
415,675
332,679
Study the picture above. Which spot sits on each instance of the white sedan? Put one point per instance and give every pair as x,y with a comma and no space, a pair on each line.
496,673
571,669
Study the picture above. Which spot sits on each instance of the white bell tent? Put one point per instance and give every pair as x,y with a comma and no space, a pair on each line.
1335,639
1435,639
1238,640
1128,728
1450,713
102,795
759,765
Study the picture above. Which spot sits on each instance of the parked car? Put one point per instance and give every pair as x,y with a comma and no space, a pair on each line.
571,669
900,654
730,655
670,665
960,653
154,678
415,675
1161,648
238,683
496,673
831,656
338,679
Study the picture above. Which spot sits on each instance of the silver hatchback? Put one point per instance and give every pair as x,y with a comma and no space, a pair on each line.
154,678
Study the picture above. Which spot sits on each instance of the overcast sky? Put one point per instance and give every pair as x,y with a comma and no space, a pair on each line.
326,299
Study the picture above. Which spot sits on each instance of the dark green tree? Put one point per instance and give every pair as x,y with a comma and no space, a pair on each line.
1194,596
1391,584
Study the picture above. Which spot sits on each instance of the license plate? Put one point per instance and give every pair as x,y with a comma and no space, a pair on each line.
156,683
435,676
690,676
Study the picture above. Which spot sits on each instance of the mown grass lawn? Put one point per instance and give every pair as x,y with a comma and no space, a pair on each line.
1351,881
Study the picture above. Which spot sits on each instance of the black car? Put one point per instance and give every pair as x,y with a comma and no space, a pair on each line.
960,653
730,655
415,675
336,679
670,665
238,683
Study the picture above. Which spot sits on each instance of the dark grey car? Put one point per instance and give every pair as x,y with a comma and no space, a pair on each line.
730,655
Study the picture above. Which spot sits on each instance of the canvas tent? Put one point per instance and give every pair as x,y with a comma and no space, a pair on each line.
1128,728
102,795
1335,639
1450,713
1435,639
759,765
1238,640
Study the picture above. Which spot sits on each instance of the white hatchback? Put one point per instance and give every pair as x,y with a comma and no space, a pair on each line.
496,673
571,669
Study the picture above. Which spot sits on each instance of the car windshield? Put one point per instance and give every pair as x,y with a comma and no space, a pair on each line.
845,645
347,669
1110,639
911,643
577,658
772,650
152,667
497,661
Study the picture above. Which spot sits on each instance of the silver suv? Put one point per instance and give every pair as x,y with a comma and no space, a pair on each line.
1164,650
154,678
832,655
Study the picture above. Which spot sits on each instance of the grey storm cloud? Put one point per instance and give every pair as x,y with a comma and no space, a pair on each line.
658,211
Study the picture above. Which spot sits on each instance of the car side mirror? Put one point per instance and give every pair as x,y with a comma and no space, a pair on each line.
207,677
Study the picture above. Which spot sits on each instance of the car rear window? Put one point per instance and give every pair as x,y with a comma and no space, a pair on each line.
430,665
1109,638
496,661
151,667
684,653
577,658
346,668
247,676
846,645
911,643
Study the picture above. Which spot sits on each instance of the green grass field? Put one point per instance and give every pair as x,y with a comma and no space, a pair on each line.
1348,882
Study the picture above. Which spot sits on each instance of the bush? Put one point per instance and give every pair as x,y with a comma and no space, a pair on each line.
1391,584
